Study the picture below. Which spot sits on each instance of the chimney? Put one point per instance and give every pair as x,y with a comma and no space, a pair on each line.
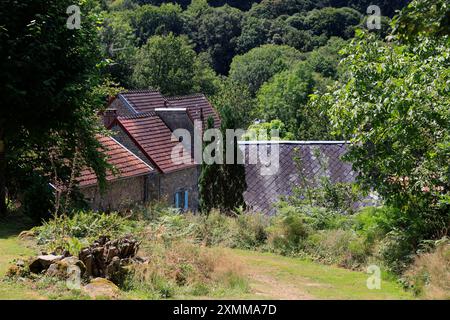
202,117
109,116
110,99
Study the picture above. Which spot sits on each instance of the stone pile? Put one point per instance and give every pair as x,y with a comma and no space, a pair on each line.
105,258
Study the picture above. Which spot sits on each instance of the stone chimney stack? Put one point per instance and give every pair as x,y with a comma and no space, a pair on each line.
109,116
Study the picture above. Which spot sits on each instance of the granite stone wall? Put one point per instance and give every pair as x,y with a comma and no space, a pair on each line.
119,194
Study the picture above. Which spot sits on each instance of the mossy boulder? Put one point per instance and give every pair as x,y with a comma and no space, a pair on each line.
101,288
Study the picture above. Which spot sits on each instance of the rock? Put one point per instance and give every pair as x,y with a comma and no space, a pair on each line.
105,257
13,271
111,253
74,261
27,235
57,270
101,288
20,263
42,262
61,269
141,260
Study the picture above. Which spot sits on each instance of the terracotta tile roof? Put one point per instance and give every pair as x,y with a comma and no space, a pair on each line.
142,101
154,139
318,159
195,104
125,162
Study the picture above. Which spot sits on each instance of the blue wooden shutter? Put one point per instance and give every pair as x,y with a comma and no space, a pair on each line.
177,199
186,200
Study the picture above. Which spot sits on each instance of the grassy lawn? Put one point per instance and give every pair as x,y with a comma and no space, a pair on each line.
277,277
12,248
269,276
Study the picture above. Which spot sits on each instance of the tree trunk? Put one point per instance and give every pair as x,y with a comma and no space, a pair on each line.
2,178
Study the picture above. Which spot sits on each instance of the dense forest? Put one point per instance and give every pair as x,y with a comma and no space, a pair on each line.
215,47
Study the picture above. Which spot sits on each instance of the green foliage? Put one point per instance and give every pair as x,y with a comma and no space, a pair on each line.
388,7
287,231
285,96
430,18
263,131
169,64
275,8
215,31
221,185
48,74
238,99
241,4
374,223
395,107
37,198
320,218
325,60
250,231
397,251
257,66
339,197
337,246
303,31
255,32
150,20
330,22
66,232
119,42
214,229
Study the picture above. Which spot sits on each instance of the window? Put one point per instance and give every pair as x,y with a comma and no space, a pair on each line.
182,200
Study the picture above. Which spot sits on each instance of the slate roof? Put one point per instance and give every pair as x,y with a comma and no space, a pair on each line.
125,162
154,139
318,159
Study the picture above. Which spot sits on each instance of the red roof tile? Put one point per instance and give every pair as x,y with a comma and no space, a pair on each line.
145,100
125,162
142,101
154,138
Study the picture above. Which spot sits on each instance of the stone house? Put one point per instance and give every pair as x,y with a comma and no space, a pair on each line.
143,121
127,185
143,124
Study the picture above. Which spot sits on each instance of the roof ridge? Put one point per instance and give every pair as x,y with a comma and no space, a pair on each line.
138,115
294,142
141,91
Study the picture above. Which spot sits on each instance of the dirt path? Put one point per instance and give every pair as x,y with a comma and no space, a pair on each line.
275,277
267,286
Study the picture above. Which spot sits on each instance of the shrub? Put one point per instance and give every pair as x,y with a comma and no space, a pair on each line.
396,251
320,218
250,231
287,231
339,197
340,247
214,229
69,232
429,275
373,223
183,267
152,211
